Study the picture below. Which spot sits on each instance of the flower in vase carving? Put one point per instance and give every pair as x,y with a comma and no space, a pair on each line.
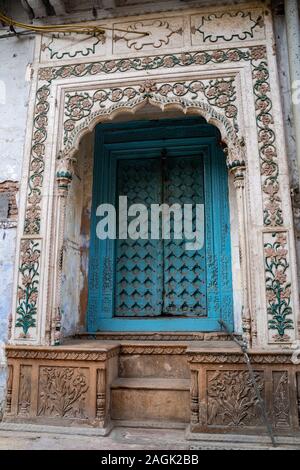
278,287
28,286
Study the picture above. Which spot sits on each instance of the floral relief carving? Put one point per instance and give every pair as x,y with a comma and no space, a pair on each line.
153,62
278,286
281,399
62,392
228,26
37,165
148,33
267,140
232,400
256,55
28,287
219,93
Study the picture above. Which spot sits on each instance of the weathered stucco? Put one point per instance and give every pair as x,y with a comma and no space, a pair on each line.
16,55
76,241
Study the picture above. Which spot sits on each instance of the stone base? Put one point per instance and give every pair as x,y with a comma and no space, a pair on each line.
223,399
61,386
88,384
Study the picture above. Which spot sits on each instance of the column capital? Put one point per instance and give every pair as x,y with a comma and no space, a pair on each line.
236,157
64,173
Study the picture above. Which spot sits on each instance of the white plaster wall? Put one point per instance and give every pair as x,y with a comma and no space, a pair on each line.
15,55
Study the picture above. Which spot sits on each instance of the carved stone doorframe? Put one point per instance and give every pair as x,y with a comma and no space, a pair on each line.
235,150
230,88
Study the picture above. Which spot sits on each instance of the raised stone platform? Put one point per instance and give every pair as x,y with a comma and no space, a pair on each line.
223,399
96,383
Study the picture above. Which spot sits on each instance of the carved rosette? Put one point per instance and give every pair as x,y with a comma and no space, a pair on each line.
214,99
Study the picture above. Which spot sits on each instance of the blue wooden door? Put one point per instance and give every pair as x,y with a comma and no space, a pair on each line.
155,284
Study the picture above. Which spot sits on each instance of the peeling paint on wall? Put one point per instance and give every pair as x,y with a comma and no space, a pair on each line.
16,54
76,244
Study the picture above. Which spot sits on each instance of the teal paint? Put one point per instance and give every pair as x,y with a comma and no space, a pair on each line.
174,299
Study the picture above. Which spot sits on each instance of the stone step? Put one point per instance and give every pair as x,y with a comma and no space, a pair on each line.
153,361
153,399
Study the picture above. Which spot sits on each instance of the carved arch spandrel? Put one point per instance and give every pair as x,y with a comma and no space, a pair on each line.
147,94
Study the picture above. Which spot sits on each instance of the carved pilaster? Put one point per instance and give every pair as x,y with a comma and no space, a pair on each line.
64,177
101,396
25,391
9,389
237,166
194,398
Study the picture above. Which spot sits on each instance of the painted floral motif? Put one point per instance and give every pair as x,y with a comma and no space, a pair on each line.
144,63
256,56
219,93
267,140
278,287
37,165
28,288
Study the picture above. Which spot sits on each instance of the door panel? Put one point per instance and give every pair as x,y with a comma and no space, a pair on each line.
160,277
184,271
139,262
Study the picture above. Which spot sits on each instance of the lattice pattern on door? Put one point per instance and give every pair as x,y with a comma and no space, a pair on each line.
184,271
160,277
139,262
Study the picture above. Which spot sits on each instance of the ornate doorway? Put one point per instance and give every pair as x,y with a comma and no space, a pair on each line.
151,282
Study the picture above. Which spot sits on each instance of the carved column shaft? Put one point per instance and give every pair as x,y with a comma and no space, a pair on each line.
101,395
64,178
194,398
237,168
9,389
